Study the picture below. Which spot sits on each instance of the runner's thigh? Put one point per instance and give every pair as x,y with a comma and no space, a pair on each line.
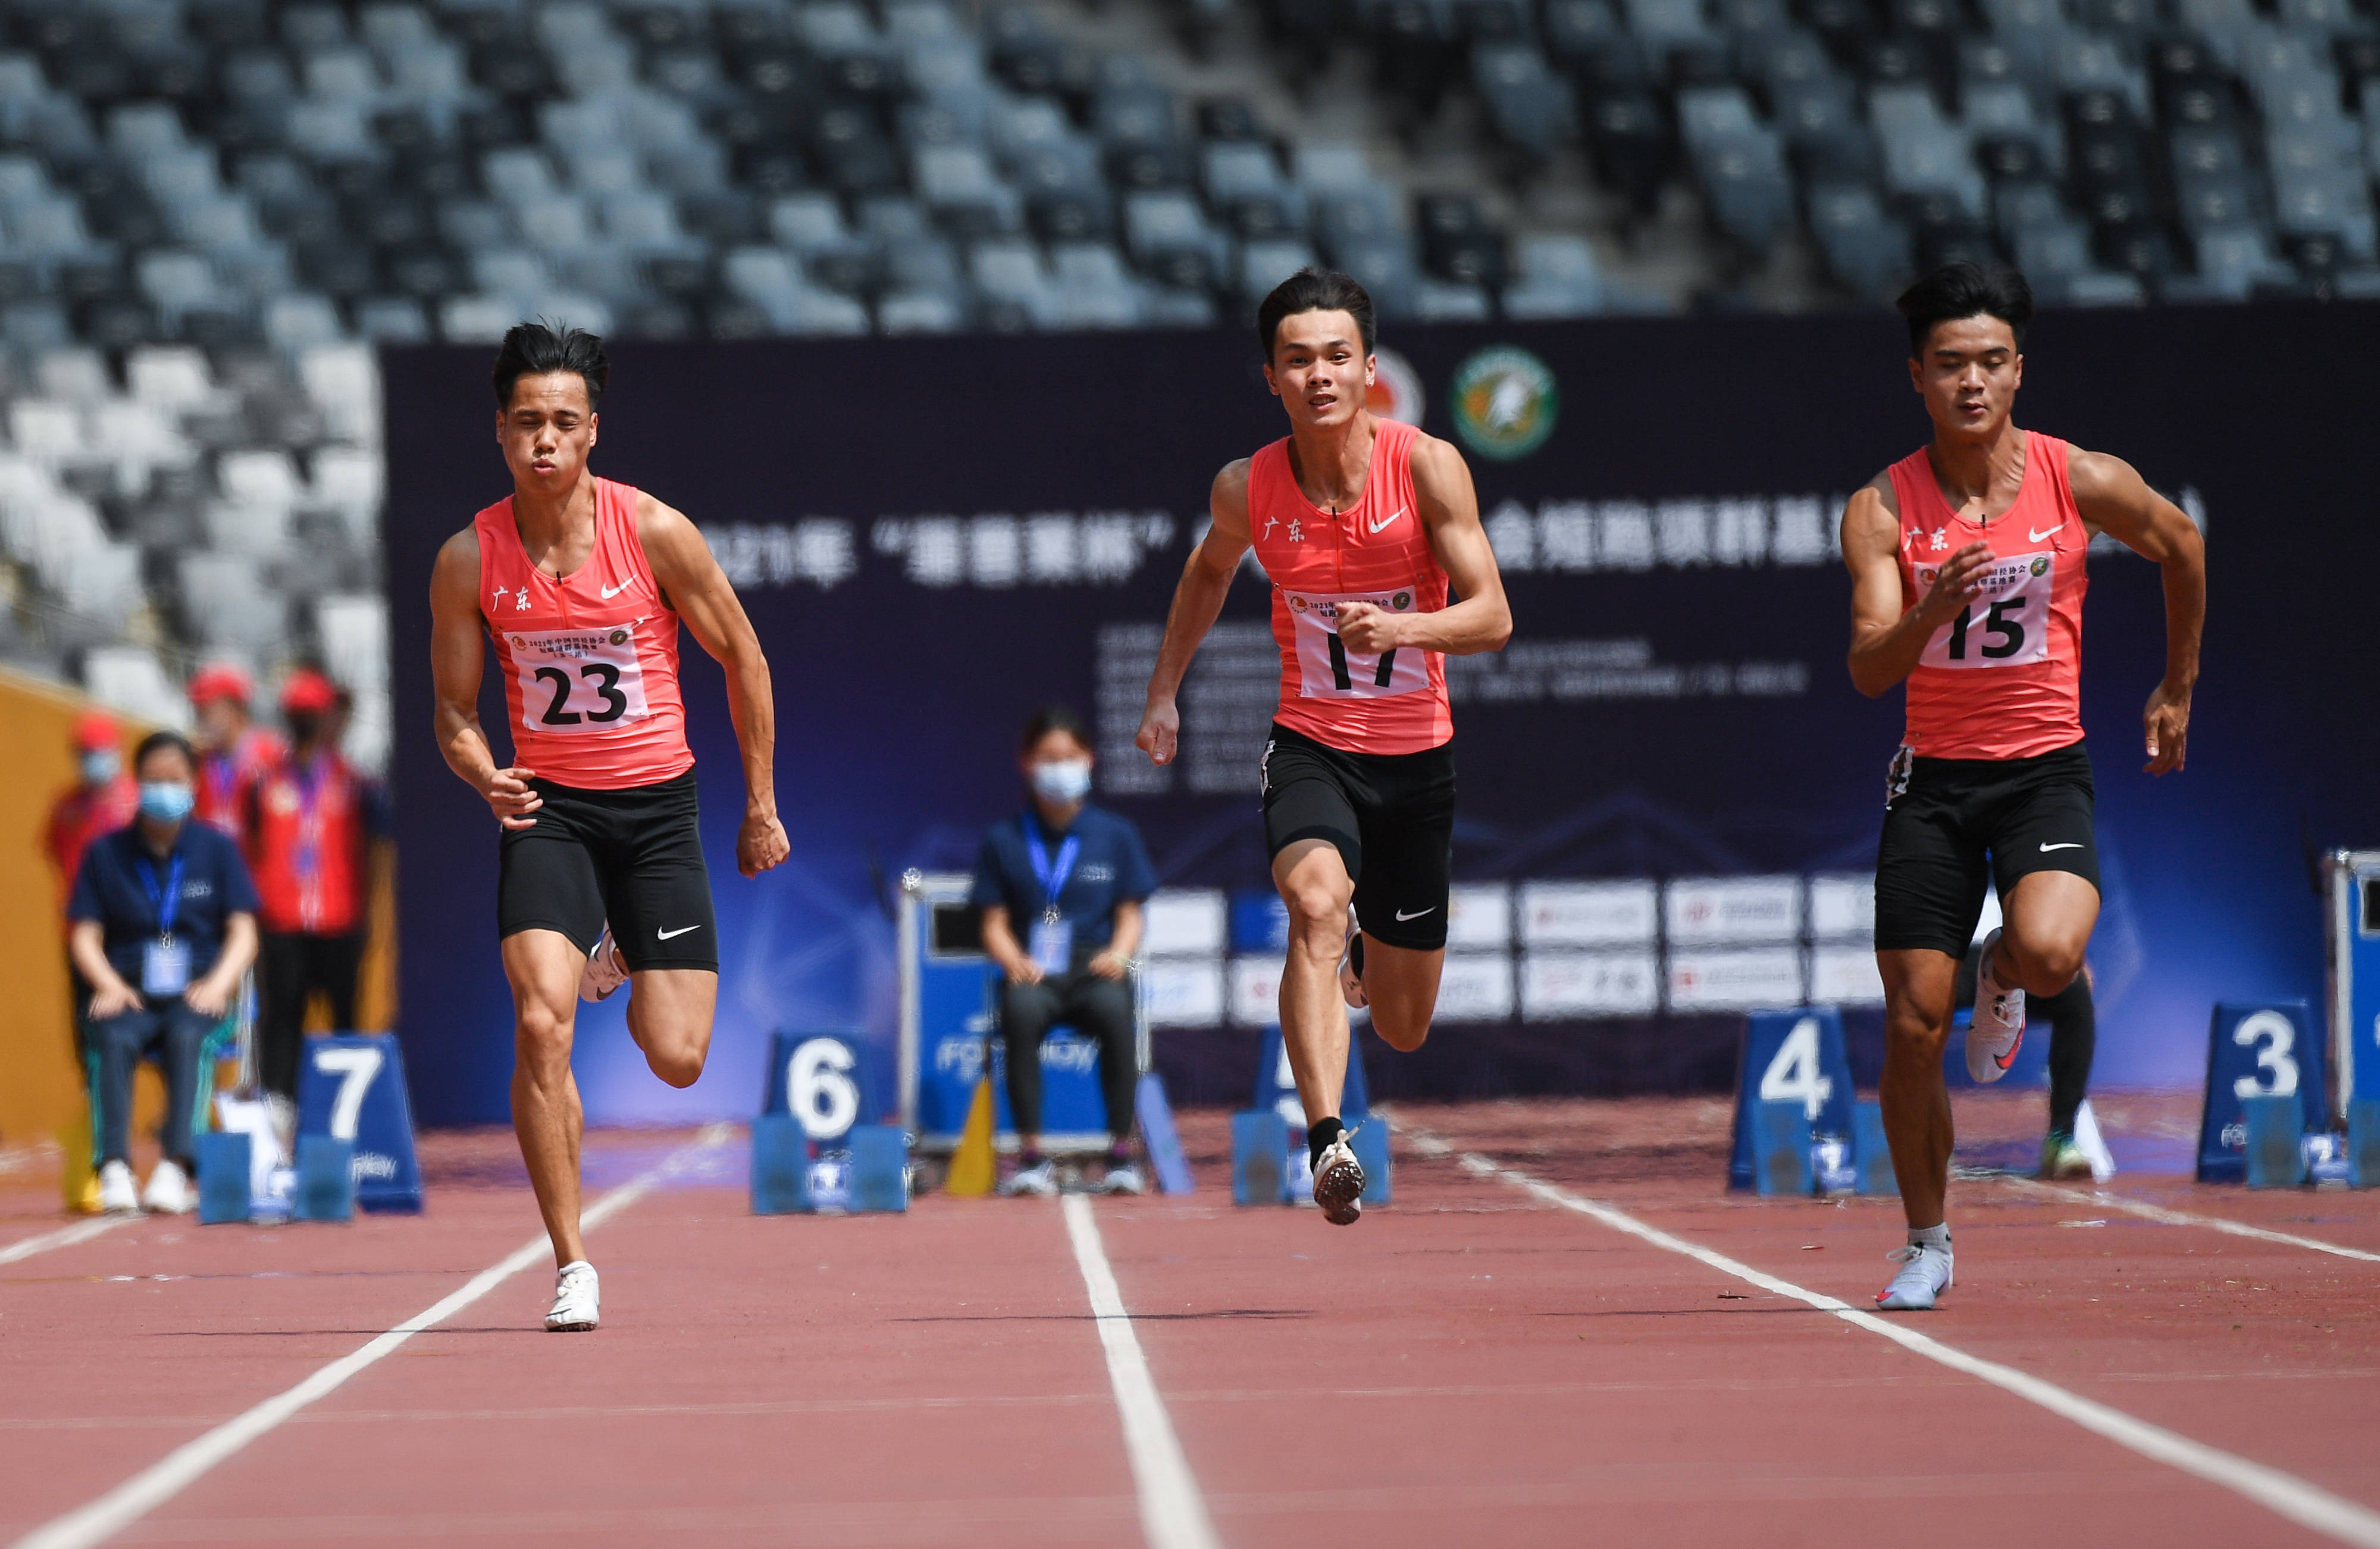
1408,834
1308,796
656,884
2048,822
546,878
1931,874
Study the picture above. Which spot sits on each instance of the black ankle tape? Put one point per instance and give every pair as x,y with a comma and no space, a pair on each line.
1320,1135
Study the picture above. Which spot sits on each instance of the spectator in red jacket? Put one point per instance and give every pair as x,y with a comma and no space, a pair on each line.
232,747
311,820
101,799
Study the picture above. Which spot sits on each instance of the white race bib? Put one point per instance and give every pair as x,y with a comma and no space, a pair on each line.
2007,624
1327,669
578,681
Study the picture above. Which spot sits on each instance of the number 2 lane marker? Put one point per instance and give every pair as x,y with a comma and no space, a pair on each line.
1171,1514
2307,1505
186,1464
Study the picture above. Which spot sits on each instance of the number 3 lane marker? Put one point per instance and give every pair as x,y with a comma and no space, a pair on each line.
1171,1514
2307,1505
186,1464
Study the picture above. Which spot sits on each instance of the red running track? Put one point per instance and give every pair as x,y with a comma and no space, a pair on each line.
1476,1365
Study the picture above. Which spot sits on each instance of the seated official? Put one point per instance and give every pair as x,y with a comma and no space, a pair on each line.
164,925
1060,886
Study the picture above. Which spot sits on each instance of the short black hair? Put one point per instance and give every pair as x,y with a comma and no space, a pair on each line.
539,348
1965,289
1316,290
157,739
1050,718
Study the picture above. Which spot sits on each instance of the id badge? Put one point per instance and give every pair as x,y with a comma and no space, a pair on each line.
164,967
1053,945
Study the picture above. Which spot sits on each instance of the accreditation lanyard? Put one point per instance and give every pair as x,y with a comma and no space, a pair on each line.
306,857
1053,936
164,962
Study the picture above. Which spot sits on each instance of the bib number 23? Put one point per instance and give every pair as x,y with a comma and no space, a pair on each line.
605,679
573,681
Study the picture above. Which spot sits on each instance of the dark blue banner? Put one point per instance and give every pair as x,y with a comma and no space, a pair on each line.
1670,790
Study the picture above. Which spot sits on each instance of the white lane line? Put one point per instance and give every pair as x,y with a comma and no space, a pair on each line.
2189,1218
112,1513
2305,1504
65,1236
1172,1516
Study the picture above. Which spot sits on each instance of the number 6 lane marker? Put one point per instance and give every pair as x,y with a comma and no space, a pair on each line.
1171,1514
186,1464
2307,1505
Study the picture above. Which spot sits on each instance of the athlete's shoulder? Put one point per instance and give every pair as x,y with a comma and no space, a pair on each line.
1440,474
458,561
2093,475
1232,481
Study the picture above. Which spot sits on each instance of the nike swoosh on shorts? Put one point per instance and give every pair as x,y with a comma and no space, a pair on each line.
1416,914
2072,844
682,929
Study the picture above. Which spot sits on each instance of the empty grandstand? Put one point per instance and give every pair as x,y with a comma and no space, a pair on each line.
212,211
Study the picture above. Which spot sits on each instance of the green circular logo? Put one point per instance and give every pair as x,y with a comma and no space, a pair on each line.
1505,401
2041,564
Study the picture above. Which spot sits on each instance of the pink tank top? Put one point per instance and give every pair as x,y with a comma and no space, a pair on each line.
590,661
2003,679
1377,551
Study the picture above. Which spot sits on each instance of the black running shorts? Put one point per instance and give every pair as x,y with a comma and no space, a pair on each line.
632,856
1391,816
1953,827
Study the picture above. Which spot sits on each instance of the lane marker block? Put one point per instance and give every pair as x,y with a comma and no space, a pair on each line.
1164,1142
326,1178
1370,1144
223,1177
2276,1151
879,1171
1780,1148
1260,1152
1871,1153
780,1165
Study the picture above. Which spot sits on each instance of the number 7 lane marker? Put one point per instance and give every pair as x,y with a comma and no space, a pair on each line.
186,1464
2307,1505
1171,1514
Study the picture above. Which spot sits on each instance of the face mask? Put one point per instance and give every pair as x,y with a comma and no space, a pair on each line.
1064,781
166,801
100,765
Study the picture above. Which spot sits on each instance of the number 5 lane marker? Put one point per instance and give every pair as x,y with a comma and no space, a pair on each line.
1171,1514
2307,1505
186,1464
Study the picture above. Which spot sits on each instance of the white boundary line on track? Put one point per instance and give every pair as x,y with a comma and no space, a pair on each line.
2189,1218
65,1236
2305,1504
1173,1515
112,1513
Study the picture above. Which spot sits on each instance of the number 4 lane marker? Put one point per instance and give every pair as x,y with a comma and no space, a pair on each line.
1171,1514
2307,1505
186,1464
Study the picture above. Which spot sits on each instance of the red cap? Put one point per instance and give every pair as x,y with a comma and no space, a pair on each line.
95,729
221,681
306,692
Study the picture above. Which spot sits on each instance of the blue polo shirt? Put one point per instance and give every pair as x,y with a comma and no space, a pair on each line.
1112,868
113,887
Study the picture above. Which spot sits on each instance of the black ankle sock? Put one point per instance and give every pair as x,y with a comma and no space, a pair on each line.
1119,1153
1028,1156
1320,1135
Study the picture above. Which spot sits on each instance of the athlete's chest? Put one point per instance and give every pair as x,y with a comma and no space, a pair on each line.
602,590
1292,537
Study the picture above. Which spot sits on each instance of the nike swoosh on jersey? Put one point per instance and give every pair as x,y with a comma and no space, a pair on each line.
1383,522
611,592
2031,536
2072,844
1416,914
682,929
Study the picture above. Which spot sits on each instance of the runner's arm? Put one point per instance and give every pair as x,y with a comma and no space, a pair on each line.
1887,638
1480,620
456,658
699,589
2113,497
1206,581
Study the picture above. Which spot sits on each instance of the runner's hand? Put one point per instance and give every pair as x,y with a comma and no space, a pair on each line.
2167,723
1160,734
511,798
113,1000
760,844
1957,585
1368,629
